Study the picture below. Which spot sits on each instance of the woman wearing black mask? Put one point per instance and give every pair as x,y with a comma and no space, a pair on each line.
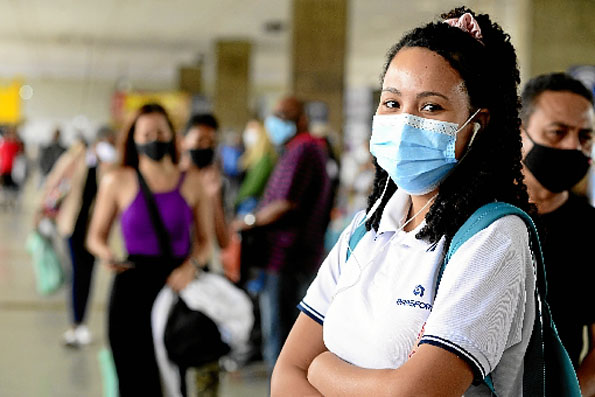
149,154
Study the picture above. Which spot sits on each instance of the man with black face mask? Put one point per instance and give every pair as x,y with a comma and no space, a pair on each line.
198,152
198,147
557,134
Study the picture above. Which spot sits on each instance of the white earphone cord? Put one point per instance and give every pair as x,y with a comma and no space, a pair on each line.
359,266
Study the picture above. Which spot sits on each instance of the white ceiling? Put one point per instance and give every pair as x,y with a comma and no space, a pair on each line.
146,40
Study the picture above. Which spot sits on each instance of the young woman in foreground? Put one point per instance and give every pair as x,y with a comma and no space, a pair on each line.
446,141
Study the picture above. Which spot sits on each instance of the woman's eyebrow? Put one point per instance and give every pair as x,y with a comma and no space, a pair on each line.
426,94
392,90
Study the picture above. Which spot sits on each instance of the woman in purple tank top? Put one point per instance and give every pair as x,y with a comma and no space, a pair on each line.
149,147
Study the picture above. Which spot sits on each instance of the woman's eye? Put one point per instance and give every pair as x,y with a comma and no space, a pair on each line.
391,104
431,107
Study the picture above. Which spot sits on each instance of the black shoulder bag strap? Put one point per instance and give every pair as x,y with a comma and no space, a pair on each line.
158,225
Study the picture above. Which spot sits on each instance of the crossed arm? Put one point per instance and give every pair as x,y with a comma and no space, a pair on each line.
306,368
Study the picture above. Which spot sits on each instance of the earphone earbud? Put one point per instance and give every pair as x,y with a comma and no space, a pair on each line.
476,127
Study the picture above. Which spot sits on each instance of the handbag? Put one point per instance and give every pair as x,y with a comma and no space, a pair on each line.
49,275
191,338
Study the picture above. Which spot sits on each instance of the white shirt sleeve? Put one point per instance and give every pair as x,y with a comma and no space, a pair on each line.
322,290
480,305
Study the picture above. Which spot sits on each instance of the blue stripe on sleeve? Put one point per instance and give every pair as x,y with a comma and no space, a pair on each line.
313,314
478,370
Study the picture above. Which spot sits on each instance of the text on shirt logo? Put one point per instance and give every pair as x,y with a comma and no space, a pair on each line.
417,291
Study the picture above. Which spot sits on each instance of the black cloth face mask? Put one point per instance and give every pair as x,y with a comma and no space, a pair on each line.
155,150
556,169
202,157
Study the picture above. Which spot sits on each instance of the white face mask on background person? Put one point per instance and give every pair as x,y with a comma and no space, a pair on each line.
106,152
250,137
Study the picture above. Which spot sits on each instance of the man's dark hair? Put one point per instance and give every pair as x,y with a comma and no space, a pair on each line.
550,82
206,119
491,170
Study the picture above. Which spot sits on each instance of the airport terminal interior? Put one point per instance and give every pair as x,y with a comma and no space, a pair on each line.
78,66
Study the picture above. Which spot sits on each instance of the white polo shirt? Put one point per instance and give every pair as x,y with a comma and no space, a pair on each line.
379,304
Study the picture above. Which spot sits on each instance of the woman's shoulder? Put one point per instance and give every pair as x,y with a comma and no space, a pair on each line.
512,226
192,187
507,237
118,177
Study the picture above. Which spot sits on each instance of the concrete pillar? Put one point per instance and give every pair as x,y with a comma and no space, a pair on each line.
318,55
232,83
190,79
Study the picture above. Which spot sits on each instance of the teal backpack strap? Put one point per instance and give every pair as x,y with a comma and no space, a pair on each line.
488,382
355,238
482,218
561,378
478,221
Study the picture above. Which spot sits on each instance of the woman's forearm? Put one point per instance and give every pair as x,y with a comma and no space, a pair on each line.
291,381
335,377
99,248
451,376
303,344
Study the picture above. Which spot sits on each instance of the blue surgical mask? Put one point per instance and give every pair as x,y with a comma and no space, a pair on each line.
417,153
279,130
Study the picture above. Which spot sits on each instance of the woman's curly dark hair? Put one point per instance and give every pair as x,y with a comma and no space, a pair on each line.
491,170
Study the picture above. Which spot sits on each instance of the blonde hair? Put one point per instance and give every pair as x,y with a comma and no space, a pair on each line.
260,148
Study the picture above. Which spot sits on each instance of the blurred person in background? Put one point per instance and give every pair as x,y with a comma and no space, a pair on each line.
149,152
257,163
77,172
50,153
230,153
11,147
293,215
557,132
199,154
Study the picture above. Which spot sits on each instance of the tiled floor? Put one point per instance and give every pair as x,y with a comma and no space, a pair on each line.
32,360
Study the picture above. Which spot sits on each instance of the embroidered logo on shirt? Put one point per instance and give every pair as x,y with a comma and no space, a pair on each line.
419,290
414,303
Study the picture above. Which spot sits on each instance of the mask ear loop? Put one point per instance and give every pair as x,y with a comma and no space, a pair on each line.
476,128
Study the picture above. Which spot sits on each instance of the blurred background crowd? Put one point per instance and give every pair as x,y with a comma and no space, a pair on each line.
245,87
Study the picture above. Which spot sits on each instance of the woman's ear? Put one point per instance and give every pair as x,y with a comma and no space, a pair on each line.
483,118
